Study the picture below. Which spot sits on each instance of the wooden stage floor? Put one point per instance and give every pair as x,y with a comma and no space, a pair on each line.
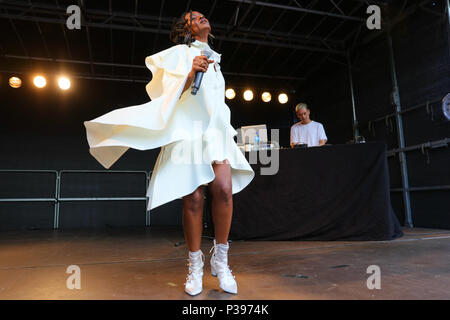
149,263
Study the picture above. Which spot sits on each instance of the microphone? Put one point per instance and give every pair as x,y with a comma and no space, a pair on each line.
198,77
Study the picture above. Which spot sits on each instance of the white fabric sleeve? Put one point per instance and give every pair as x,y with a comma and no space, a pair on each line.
167,67
322,135
292,135
144,126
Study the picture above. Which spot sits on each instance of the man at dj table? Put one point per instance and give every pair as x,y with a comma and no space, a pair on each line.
307,132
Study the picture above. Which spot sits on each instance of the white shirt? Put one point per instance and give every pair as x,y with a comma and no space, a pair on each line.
309,134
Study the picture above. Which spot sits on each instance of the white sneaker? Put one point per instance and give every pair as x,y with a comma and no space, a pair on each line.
220,268
193,284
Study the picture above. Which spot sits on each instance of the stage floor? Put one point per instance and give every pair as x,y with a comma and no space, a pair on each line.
150,263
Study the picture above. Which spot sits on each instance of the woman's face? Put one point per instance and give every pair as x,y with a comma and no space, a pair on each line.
199,23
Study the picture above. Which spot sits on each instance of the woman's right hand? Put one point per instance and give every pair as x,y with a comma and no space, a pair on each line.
201,64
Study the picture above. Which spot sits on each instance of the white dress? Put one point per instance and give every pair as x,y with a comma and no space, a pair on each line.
192,130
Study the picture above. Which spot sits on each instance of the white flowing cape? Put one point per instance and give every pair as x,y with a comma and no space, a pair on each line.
183,125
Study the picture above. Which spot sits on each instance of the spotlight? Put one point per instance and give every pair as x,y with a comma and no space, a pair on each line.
39,81
266,97
15,82
446,106
230,93
248,95
282,98
64,83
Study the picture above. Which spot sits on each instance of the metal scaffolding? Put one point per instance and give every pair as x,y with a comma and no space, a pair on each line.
38,13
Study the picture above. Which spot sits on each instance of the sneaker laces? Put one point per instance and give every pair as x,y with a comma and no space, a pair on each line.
195,268
224,268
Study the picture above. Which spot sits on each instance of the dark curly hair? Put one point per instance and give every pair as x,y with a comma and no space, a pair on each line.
181,32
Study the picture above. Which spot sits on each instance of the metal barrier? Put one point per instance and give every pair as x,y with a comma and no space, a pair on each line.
386,118
57,199
426,188
424,147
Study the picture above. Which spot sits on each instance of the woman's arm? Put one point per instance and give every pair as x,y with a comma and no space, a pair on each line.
189,80
201,64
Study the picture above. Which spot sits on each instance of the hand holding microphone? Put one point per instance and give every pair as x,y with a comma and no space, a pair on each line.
200,66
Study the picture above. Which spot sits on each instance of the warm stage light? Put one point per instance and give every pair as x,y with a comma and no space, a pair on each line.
248,95
39,81
230,94
266,97
15,82
64,83
282,98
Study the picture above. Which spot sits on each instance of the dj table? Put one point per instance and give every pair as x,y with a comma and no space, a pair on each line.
337,192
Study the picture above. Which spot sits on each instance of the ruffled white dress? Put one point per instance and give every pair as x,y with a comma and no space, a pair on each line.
192,130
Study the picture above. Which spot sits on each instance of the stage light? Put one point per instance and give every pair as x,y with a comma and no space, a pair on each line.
283,98
446,106
266,97
64,83
15,82
230,93
39,81
248,95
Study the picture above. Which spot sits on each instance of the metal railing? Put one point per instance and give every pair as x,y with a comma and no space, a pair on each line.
425,188
57,199
387,118
423,147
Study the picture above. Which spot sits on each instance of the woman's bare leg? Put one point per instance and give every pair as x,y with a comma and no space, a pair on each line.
222,201
192,219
